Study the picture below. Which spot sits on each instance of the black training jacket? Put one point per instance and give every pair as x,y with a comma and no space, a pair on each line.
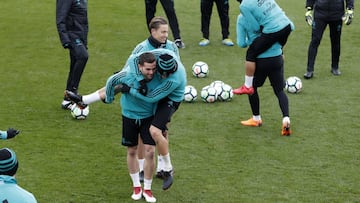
72,20
329,9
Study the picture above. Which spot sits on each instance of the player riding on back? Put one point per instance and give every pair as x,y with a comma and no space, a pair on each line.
171,83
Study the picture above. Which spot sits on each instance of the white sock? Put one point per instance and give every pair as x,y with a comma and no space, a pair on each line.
286,119
248,81
257,118
90,98
147,184
167,163
160,163
141,164
135,179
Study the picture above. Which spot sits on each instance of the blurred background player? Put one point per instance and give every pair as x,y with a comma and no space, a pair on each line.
72,26
10,133
268,64
332,13
10,191
270,20
169,8
206,7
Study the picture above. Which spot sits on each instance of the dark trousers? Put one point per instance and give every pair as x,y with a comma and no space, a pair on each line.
168,5
318,28
206,7
272,68
78,59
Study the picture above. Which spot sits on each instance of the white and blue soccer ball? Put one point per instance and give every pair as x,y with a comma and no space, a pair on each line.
217,83
208,94
293,84
225,93
190,93
200,69
79,112
223,90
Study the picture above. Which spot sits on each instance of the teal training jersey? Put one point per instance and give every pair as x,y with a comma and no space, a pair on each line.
246,35
146,46
172,87
265,13
10,191
131,107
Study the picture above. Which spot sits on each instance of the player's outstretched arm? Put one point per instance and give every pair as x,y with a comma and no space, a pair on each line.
10,133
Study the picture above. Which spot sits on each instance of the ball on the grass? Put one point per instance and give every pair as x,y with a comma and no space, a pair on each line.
293,84
200,69
208,94
190,93
79,112
225,93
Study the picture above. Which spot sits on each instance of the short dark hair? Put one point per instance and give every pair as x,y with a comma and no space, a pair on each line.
156,22
146,57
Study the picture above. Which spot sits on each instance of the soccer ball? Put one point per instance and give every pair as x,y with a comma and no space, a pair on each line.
208,94
200,69
293,84
190,93
78,112
225,93
217,83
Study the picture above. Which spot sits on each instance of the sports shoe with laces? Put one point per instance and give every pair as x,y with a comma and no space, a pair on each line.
204,42
137,193
228,42
244,90
179,43
148,196
159,174
66,104
335,71
285,131
141,176
252,122
76,98
167,179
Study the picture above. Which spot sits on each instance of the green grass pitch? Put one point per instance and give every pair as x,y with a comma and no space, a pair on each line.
215,158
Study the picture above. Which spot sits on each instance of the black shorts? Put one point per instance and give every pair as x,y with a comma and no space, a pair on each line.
270,67
131,128
165,109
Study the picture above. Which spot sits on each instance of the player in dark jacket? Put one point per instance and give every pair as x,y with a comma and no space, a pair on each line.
72,26
332,13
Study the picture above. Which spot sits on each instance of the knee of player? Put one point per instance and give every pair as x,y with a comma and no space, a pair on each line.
132,151
150,152
155,132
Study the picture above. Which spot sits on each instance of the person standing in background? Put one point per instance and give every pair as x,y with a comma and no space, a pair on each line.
169,8
332,13
206,7
72,26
